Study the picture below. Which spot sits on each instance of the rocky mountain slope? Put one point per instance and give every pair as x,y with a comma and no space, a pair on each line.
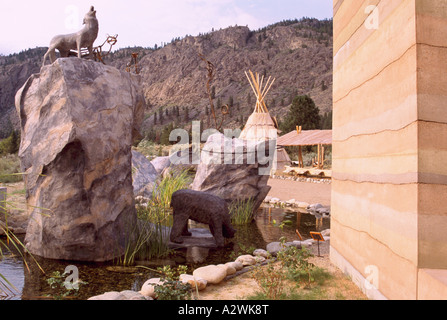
298,54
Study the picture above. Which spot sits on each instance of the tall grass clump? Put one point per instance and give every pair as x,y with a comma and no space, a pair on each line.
154,232
149,239
282,278
298,268
241,211
270,280
10,243
162,194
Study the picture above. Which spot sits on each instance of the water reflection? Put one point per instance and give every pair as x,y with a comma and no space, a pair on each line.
270,220
12,269
100,278
270,225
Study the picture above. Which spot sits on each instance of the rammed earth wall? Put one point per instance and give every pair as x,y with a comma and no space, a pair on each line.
389,175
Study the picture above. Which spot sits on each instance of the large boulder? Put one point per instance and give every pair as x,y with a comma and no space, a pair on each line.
144,175
161,163
79,119
148,288
123,295
212,274
235,169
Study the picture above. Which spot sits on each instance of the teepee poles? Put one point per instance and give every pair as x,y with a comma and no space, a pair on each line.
256,84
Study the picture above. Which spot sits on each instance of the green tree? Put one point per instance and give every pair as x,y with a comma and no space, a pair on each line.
164,137
11,144
326,121
303,112
231,102
151,135
6,129
160,116
186,114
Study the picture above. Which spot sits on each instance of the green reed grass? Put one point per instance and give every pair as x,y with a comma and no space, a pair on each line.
7,243
162,194
154,220
241,211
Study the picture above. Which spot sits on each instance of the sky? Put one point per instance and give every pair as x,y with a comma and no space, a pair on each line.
144,23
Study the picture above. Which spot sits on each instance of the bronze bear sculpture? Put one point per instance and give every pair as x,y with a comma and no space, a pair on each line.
204,208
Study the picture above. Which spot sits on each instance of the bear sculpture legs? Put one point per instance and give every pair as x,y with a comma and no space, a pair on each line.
204,208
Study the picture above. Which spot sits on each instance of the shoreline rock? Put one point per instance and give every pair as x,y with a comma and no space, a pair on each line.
220,273
315,208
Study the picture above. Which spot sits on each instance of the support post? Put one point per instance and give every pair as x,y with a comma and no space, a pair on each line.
300,157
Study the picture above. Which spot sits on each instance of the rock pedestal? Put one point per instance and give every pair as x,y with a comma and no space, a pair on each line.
78,121
234,169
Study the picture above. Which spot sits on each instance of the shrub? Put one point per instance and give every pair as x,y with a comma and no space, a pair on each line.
158,209
154,217
162,194
10,169
151,149
11,144
172,274
292,265
241,211
299,269
173,290
270,280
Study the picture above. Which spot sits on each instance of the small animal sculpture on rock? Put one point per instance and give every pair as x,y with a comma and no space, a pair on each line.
204,208
75,41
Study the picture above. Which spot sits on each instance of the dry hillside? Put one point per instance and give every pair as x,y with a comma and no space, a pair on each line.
297,53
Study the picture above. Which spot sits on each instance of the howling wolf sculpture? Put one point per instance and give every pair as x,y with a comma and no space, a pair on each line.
75,41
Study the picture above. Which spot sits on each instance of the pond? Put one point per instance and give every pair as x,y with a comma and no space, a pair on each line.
269,225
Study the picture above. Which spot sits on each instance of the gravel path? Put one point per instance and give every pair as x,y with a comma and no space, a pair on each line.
301,191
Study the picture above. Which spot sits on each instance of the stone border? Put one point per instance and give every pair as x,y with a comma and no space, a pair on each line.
303,207
323,180
229,270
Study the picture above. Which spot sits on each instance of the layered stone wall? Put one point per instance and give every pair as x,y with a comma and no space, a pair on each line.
390,145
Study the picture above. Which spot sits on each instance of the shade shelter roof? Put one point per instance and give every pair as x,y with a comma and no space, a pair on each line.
306,138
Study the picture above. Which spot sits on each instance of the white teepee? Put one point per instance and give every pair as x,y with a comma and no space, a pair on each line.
260,124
